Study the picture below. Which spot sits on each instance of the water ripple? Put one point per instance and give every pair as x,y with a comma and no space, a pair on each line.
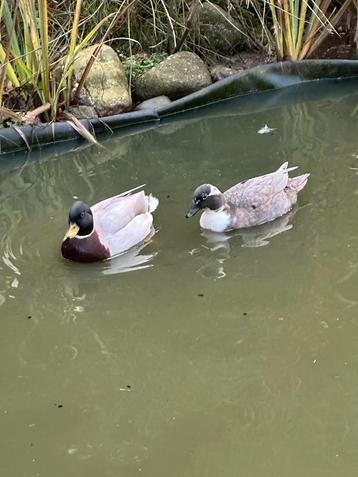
8,257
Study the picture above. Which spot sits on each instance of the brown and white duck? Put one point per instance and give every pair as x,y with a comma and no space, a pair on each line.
248,203
109,227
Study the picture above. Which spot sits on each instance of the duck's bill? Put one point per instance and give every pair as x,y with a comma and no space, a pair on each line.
194,210
72,231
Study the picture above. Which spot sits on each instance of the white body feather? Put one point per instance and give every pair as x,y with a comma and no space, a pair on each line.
217,221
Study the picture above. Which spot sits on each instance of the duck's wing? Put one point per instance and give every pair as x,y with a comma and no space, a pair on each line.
257,191
107,203
137,230
113,214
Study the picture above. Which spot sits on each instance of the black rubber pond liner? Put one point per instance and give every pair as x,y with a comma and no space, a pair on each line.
240,106
273,76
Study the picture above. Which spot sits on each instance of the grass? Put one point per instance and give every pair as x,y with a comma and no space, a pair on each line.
136,65
29,53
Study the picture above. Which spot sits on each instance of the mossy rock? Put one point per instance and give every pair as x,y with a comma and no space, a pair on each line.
178,75
106,87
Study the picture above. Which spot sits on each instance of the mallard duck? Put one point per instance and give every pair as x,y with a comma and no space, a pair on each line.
248,203
109,227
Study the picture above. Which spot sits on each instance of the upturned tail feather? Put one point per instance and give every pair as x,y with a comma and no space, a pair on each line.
298,183
130,191
153,203
284,167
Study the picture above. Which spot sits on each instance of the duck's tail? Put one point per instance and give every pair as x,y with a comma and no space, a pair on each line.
297,183
293,168
153,203
285,169
128,192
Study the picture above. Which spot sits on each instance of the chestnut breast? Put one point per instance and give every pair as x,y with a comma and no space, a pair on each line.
86,249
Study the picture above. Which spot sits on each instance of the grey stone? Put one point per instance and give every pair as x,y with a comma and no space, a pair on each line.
219,30
178,75
106,87
83,112
154,103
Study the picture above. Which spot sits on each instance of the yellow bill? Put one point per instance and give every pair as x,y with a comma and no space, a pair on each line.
72,231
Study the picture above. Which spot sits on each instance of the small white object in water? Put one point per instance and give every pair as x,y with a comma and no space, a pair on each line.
194,251
265,130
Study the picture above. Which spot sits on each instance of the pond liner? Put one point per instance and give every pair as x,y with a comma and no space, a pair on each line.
33,136
240,106
270,77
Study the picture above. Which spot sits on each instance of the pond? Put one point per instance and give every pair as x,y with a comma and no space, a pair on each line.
198,355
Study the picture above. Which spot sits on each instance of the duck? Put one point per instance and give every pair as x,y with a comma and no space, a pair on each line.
110,227
249,203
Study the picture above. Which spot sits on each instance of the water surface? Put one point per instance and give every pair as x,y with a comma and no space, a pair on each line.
216,357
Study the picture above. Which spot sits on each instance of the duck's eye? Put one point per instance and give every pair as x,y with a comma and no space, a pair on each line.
82,214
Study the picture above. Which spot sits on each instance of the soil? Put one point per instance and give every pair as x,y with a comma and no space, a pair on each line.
344,46
242,61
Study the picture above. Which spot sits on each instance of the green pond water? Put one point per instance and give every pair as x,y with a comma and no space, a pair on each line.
200,355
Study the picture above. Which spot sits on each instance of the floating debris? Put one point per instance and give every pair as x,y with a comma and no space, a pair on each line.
265,130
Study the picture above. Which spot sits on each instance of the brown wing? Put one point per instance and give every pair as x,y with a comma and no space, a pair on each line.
257,191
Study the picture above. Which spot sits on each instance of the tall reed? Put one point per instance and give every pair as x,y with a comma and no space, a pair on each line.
300,26
28,53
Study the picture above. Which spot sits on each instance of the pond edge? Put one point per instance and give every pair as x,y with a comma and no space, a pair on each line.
261,78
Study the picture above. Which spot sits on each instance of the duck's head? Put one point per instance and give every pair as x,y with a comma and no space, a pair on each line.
205,196
80,220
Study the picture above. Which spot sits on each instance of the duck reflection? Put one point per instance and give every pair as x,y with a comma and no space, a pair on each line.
130,261
261,235
253,237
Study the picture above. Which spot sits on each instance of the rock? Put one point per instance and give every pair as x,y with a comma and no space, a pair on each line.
219,72
106,87
178,75
154,103
83,112
219,30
